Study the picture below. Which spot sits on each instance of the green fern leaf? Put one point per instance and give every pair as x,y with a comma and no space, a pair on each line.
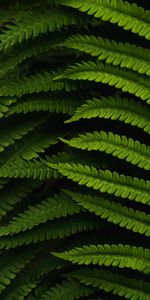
4,105
14,193
125,55
44,103
35,169
67,290
36,23
16,130
126,15
112,282
19,53
13,265
119,146
34,84
60,228
115,108
122,256
58,206
116,213
126,80
106,182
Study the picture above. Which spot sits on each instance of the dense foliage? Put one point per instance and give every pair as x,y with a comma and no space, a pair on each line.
74,149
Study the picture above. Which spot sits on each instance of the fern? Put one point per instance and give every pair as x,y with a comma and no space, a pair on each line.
114,108
34,84
12,267
14,193
127,81
35,24
105,181
124,55
44,103
67,290
74,149
19,53
112,282
115,255
53,230
130,17
116,213
120,146
58,206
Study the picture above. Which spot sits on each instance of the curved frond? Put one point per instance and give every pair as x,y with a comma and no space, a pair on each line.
122,256
112,282
67,290
126,15
126,80
106,181
115,108
115,213
120,146
21,52
11,265
37,83
16,130
57,206
4,105
35,169
61,104
124,55
14,193
59,228
36,23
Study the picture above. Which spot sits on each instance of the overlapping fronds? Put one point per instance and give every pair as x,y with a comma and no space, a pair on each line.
67,290
52,230
113,282
120,146
120,255
126,15
119,54
116,213
44,103
127,81
74,149
54,207
39,22
106,181
115,108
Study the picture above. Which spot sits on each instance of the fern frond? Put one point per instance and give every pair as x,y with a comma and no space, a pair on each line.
19,53
120,146
61,104
112,282
42,82
126,80
67,290
35,169
116,213
30,146
11,266
16,130
15,192
4,105
30,278
38,22
122,256
57,206
106,181
59,228
124,55
126,15
115,108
